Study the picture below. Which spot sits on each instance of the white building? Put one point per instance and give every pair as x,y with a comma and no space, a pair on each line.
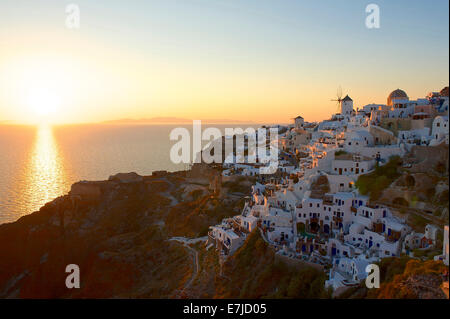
346,106
356,139
350,164
225,238
445,248
419,136
439,130
299,121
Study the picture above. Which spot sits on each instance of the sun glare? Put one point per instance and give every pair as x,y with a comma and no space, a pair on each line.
42,101
43,87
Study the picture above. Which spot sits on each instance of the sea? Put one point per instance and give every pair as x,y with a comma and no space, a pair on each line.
40,163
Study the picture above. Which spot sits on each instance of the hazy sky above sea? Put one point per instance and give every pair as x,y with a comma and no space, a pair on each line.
256,60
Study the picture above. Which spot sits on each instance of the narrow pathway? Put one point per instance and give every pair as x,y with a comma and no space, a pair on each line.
195,265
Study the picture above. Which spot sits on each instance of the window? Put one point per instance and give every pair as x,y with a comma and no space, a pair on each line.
310,204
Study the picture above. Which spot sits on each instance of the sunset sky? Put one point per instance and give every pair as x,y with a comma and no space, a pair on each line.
255,60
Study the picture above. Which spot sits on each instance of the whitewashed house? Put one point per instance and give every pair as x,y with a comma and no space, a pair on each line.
351,164
439,130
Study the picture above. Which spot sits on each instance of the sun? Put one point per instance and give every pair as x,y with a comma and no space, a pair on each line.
42,86
43,101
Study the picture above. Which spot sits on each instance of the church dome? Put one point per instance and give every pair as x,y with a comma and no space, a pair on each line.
444,91
396,94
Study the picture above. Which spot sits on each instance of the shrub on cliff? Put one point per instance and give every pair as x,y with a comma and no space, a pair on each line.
374,183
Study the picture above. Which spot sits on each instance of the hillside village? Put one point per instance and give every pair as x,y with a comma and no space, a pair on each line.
321,206
366,186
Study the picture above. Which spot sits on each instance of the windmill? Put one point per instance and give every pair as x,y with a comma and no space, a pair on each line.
338,99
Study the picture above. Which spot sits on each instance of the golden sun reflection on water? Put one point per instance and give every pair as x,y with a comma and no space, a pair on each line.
45,174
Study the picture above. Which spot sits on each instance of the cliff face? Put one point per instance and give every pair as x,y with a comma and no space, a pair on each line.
117,232
111,230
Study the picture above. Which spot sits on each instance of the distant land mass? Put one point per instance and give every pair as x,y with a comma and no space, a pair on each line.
171,120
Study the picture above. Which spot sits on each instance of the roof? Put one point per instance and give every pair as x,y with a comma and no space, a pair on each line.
232,234
347,98
251,218
396,94
344,195
299,117
392,223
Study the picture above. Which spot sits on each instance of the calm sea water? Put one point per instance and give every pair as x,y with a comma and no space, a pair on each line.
39,164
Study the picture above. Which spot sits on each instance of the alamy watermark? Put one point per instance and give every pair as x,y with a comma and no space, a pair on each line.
73,279
373,276
73,16
260,148
373,17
